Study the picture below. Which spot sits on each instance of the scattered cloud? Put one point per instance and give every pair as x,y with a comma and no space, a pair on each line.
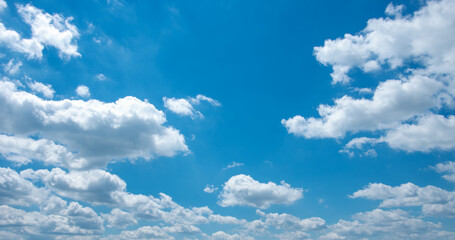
234,164
101,77
12,68
210,189
185,107
45,89
448,168
243,190
83,91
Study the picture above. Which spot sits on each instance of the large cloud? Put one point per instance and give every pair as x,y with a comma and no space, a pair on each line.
98,131
243,190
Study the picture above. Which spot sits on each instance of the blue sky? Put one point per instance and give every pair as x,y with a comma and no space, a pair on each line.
227,119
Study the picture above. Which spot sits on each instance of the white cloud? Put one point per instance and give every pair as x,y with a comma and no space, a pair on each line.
242,190
433,200
380,224
12,68
427,36
393,101
226,220
185,107
297,235
15,190
146,232
234,164
210,189
431,132
101,77
44,89
182,228
287,221
98,131
3,5
47,30
181,107
83,91
220,235
199,98
119,219
420,49
23,150
51,30
448,168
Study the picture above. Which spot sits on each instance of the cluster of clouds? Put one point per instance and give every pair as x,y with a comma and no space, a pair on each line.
76,139
412,111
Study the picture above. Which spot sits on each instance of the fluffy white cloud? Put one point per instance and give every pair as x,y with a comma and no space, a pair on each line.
146,232
15,190
119,219
220,235
380,224
427,36
12,68
215,218
210,189
44,89
22,150
448,168
51,30
83,91
47,30
77,220
243,190
393,101
181,107
287,221
434,201
98,131
420,48
429,133
297,235
185,107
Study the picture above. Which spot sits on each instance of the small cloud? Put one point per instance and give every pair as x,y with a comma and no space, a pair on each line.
12,68
83,91
44,89
234,164
210,189
100,77
321,200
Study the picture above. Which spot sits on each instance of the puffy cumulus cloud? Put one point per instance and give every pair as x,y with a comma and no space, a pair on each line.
99,132
393,101
16,190
94,186
431,132
287,221
78,221
146,232
434,201
216,218
181,107
119,219
99,187
448,168
46,30
381,224
404,112
182,228
51,30
210,189
185,107
83,91
243,190
22,150
297,235
12,68
45,89
220,235
427,36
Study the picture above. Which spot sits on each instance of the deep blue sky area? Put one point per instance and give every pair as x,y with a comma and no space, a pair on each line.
258,60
